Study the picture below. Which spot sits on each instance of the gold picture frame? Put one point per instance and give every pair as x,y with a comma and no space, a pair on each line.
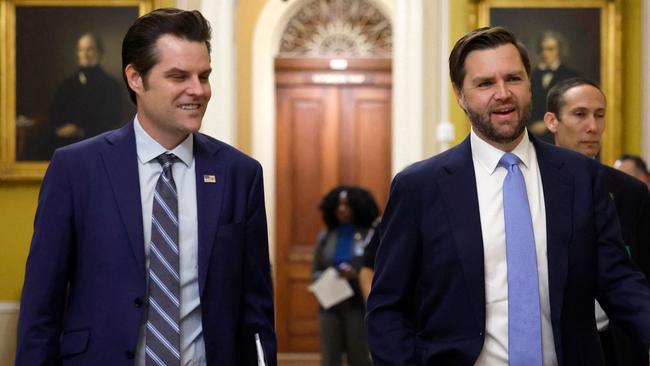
38,57
588,30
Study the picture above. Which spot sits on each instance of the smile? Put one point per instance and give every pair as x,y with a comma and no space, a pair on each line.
189,107
503,110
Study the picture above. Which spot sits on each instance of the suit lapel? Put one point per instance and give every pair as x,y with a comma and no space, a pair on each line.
458,189
209,196
558,198
121,162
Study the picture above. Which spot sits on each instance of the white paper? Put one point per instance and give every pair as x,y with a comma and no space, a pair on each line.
330,289
260,351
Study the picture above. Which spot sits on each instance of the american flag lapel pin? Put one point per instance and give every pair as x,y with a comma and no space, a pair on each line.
209,178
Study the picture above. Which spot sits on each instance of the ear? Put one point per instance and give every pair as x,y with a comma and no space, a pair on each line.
134,79
551,122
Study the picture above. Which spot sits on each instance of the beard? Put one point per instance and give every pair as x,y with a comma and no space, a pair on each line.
481,122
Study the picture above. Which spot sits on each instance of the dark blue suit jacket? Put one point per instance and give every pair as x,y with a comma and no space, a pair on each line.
427,305
85,280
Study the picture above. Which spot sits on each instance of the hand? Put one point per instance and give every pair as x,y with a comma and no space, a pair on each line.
69,130
346,271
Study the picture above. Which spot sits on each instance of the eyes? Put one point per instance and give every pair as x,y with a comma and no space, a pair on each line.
182,76
583,113
512,79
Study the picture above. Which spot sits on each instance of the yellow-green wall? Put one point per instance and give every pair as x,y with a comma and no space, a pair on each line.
460,23
247,13
631,72
17,208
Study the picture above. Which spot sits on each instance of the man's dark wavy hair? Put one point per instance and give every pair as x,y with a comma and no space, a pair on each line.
364,208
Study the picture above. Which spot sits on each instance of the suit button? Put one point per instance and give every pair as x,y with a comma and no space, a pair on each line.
138,302
129,355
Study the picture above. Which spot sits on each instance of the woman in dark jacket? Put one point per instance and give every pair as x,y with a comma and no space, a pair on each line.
349,214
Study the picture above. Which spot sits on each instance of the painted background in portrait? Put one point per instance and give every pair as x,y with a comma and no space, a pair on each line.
46,43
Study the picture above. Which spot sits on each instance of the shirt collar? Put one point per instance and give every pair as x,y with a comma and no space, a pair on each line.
149,149
488,156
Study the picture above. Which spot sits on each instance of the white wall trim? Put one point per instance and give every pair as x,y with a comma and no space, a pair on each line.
266,42
220,117
407,84
645,76
437,131
9,307
445,129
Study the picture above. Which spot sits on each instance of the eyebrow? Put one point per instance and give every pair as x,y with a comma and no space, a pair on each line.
479,79
583,108
176,70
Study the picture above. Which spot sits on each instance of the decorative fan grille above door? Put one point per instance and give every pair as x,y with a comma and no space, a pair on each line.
337,28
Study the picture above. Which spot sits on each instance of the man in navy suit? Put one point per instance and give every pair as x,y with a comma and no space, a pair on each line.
441,293
88,296
576,111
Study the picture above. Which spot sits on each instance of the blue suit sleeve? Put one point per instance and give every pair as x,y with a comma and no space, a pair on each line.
389,322
47,271
258,316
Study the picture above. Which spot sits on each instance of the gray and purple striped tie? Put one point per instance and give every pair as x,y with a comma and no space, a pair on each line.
162,346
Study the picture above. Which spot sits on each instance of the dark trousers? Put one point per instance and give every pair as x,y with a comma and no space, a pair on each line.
342,331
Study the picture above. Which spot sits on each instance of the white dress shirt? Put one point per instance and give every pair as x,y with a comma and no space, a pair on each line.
489,185
191,342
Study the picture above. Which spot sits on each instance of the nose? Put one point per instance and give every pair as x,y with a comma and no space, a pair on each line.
196,86
592,124
502,91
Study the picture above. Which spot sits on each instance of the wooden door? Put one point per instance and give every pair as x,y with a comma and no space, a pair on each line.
333,127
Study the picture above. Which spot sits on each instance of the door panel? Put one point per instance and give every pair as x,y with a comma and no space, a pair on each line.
366,139
326,135
307,167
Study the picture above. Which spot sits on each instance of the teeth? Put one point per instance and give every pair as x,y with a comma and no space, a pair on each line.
189,106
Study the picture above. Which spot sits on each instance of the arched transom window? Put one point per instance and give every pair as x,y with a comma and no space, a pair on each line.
337,28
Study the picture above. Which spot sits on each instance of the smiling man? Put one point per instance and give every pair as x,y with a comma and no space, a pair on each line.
576,111
150,241
493,252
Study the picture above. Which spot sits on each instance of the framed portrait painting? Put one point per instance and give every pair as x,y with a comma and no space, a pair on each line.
566,39
61,72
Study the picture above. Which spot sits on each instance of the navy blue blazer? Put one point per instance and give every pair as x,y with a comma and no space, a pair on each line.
84,294
427,304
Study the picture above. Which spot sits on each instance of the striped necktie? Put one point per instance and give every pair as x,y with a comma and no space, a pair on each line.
524,324
162,346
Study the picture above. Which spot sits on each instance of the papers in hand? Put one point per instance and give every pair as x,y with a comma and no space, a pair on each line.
330,289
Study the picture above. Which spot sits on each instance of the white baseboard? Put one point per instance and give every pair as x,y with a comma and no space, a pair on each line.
9,307
8,328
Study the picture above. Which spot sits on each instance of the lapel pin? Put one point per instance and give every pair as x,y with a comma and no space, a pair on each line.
209,179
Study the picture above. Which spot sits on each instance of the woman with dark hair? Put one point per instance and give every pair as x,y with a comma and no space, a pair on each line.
349,214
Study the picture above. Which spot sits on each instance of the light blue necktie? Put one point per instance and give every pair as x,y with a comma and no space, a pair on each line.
524,325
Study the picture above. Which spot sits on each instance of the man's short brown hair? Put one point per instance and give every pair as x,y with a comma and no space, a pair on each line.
481,39
139,44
